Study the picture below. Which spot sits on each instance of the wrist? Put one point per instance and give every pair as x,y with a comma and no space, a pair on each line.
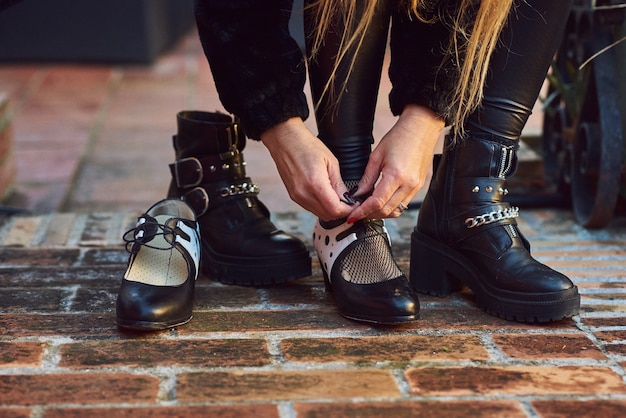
281,131
422,114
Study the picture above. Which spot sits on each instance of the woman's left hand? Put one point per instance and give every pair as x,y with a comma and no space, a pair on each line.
400,164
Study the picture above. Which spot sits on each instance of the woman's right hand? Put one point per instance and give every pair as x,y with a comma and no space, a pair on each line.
308,169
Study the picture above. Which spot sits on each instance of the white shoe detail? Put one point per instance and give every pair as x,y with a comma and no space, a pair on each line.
328,247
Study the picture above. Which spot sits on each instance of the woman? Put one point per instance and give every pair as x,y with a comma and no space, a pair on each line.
476,65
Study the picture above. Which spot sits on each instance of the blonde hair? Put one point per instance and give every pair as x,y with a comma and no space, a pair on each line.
474,33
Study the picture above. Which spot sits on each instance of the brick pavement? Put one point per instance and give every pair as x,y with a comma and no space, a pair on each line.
285,351
282,351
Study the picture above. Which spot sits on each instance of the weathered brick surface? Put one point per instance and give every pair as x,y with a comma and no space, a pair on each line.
541,347
240,386
572,408
514,380
230,411
71,388
285,351
404,409
391,348
21,354
136,353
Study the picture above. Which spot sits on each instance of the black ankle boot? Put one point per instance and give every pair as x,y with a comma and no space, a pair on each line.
240,245
466,234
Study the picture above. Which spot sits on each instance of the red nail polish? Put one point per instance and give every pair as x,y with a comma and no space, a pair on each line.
352,220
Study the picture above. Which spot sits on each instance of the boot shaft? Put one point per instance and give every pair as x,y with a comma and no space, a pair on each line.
209,169
469,177
482,156
204,133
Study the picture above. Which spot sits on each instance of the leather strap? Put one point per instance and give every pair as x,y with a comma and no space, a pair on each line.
208,196
460,226
192,171
479,189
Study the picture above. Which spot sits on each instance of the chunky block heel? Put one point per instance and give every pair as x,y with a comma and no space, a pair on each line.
428,272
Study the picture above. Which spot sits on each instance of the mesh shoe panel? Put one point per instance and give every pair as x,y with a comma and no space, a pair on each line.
370,260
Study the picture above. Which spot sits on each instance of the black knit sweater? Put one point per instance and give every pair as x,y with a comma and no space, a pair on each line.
260,72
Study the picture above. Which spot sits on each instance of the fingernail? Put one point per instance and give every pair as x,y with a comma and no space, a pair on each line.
352,220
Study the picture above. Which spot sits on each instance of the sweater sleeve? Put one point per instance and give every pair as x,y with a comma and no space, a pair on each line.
416,72
258,68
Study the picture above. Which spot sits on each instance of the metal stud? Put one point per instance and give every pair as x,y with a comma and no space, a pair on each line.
476,189
225,166
489,189
212,168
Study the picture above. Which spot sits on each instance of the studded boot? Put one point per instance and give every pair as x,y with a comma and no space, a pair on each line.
240,245
467,234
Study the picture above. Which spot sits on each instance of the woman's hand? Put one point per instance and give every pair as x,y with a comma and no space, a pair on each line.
400,164
308,169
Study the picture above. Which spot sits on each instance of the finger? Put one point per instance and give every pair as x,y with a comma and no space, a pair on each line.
370,177
321,199
376,205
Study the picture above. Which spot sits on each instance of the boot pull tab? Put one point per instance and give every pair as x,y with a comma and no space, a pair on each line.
236,141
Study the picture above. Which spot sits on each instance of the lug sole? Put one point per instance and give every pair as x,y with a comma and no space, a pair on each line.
255,271
438,270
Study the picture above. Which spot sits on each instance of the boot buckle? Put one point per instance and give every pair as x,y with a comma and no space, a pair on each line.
188,172
198,199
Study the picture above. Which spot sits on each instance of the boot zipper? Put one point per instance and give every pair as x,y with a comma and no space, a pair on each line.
505,162
510,229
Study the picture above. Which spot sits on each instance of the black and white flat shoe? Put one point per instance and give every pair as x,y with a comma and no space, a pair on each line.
157,291
359,269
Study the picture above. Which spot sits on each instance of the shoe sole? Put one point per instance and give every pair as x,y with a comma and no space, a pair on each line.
255,271
438,270
149,326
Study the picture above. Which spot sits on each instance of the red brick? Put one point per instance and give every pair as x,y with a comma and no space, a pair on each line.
43,277
230,411
539,347
604,321
601,308
570,408
384,348
617,349
210,295
65,325
151,353
611,336
39,257
21,354
514,380
33,299
240,386
15,413
583,264
602,285
406,409
83,388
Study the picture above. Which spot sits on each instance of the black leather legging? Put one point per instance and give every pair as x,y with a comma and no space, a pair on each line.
517,71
